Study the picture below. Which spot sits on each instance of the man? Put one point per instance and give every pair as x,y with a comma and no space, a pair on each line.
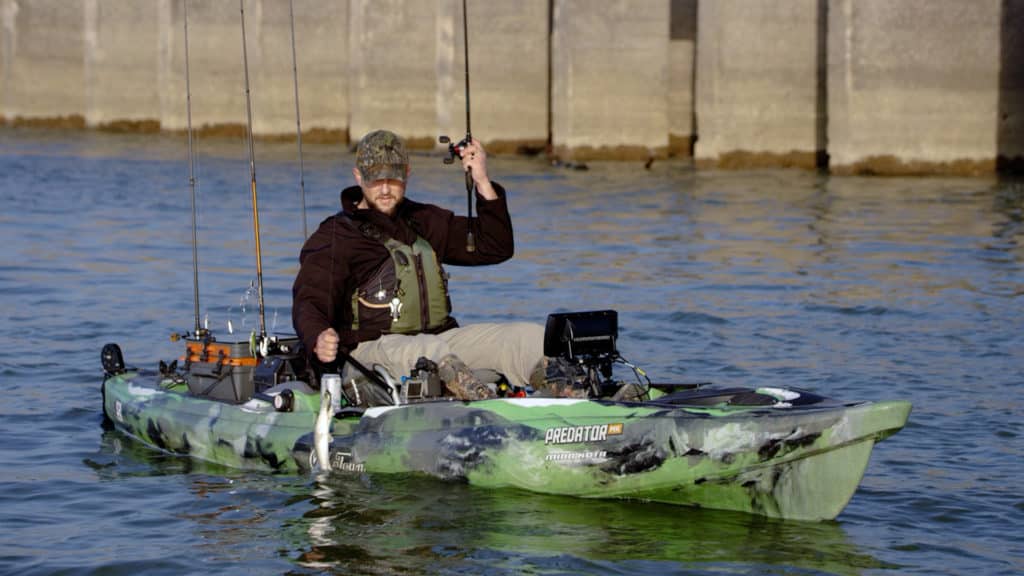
371,278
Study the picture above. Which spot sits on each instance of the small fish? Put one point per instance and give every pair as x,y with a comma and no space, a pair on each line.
322,432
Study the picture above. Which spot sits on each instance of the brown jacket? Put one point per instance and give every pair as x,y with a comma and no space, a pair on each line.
338,257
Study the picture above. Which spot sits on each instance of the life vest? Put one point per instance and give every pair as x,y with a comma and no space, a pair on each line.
406,294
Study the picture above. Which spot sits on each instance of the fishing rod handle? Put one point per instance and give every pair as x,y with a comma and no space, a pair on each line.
470,241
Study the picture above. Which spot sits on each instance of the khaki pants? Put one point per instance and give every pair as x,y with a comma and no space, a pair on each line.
514,349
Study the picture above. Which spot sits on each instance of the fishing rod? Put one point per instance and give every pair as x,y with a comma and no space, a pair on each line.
252,175
457,149
298,123
192,182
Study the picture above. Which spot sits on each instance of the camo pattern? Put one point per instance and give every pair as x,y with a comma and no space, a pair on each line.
251,435
459,380
756,461
785,461
382,155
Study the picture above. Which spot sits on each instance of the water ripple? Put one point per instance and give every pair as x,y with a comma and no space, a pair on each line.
855,287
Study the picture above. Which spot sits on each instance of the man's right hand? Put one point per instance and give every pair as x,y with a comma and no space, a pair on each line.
326,347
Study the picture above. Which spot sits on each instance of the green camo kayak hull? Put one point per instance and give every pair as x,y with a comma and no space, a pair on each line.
800,459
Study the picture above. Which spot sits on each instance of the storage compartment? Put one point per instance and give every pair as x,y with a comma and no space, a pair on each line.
220,370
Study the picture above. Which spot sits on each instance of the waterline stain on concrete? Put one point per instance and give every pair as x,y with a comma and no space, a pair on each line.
888,165
130,126
73,122
525,147
681,146
745,159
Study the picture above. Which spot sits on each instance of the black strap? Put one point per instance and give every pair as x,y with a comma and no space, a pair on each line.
372,231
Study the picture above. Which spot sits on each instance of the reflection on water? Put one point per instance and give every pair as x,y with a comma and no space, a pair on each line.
451,525
858,288
388,524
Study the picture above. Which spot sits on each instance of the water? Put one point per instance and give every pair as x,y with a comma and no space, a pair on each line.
854,287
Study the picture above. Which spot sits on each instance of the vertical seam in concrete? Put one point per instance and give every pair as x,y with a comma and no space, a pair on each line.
848,77
848,53
568,77
551,63
444,47
693,82
704,80
165,43
348,72
356,82
8,20
260,122
90,20
821,75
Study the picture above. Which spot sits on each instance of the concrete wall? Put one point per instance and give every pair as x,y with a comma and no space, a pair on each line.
408,71
217,78
610,79
392,69
508,63
323,63
758,87
43,76
121,87
878,86
914,85
321,57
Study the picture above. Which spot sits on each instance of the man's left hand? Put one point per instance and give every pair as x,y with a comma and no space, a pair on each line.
474,160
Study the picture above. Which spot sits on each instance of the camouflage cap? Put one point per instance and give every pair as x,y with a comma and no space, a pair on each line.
381,155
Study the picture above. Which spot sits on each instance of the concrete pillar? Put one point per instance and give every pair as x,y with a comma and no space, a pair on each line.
322,54
760,71
42,80
122,86
216,67
610,79
508,43
392,72
913,86
215,62
681,60
321,30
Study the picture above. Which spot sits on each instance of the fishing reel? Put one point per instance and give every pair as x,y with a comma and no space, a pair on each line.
455,149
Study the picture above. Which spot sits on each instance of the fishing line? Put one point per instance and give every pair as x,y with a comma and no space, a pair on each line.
192,181
252,176
470,243
298,123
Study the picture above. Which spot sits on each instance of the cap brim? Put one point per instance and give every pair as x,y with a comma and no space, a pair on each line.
384,172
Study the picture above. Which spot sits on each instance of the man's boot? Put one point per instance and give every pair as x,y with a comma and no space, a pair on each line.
460,381
556,378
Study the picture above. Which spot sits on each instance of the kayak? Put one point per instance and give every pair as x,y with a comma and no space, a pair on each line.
777,452
698,448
